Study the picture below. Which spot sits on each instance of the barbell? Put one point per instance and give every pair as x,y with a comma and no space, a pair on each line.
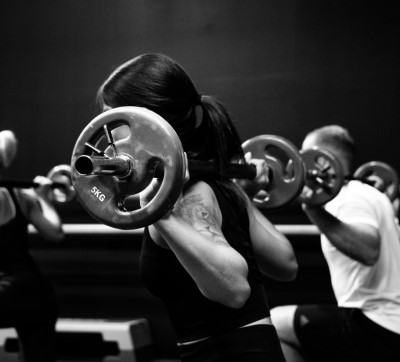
121,150
61,189
325,177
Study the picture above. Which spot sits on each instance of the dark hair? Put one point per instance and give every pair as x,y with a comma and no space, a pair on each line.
157,82
338,138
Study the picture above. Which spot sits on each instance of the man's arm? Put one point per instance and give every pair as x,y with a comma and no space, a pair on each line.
358,241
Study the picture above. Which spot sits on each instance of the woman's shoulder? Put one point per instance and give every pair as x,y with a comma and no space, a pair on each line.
220,195
200,191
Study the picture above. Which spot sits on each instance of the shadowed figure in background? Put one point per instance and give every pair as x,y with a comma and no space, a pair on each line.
205,257
27,301
360,242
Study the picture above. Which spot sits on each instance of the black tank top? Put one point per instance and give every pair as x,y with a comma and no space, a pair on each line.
14,239
192,315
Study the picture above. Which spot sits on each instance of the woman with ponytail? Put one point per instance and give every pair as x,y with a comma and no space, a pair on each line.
204,259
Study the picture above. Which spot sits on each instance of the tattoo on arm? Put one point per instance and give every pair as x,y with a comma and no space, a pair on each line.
196,213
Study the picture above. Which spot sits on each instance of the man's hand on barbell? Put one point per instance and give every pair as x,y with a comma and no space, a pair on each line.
44,185
262,171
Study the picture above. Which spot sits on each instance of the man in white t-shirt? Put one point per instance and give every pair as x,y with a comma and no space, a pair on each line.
360,242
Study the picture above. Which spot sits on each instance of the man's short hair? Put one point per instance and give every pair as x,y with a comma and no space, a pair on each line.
338,138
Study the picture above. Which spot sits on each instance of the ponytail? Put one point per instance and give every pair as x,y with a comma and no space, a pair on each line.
157,82
223,140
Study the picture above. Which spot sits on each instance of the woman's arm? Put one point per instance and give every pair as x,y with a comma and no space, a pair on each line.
273,251
193,232
358,241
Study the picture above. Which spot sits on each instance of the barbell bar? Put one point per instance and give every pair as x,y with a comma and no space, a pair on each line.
325,177
109,170
61,185
282,189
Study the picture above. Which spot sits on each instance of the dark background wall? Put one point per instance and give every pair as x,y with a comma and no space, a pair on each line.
281,67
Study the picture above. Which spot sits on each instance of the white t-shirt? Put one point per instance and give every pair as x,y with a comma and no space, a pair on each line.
374,289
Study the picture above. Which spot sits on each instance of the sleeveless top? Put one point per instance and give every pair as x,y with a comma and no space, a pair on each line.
192,315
